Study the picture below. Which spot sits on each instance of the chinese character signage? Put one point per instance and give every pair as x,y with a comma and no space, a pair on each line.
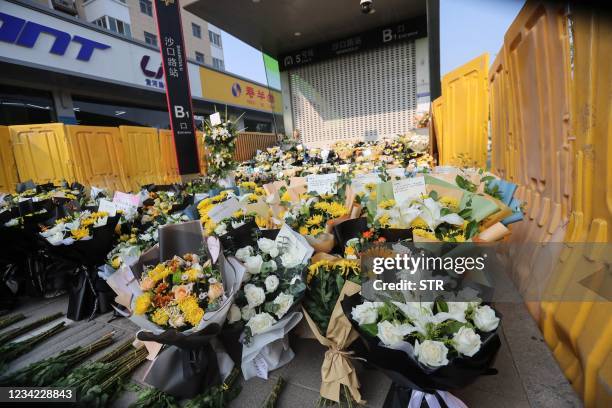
233,91
390,34
178,95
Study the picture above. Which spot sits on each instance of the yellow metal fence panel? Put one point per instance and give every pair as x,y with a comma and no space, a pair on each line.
97,155
170,171
8,172
141,153
466,114
41,153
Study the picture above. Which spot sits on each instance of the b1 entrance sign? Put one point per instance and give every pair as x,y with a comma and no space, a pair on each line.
178,95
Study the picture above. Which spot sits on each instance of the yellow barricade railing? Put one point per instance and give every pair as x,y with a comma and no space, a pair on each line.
42,153
564,176
462,139
122,158
8,171
97,156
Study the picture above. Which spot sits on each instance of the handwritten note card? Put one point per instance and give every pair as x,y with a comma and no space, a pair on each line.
215,119
224,210
408,189
322,183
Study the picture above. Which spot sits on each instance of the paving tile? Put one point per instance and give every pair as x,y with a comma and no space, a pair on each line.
528,374
543,381
254,392
294,396
507,383
474,397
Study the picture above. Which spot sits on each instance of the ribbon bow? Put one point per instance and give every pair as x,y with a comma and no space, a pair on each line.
416,398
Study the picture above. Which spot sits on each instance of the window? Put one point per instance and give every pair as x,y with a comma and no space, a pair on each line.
196,30
214,38
146,7
101,22
199,57
150,39
106,113
20,106
114,25
218,64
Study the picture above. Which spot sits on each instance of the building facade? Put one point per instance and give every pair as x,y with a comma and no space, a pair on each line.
51,72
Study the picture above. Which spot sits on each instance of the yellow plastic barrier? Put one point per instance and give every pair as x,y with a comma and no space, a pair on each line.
437,107
531,140
141,155
8,172
169,164
503,151
41,153
466,114
581,332
97,156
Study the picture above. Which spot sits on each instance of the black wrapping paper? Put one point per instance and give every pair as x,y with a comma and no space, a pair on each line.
406,373
188,366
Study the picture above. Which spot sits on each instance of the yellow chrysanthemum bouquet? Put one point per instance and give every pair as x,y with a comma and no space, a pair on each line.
78,226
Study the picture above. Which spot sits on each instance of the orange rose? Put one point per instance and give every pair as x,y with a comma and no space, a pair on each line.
147,284
181,292
214,291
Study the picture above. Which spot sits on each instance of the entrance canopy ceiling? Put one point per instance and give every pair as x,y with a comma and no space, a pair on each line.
277,27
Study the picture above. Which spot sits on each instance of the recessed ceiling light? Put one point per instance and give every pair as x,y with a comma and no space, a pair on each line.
297,33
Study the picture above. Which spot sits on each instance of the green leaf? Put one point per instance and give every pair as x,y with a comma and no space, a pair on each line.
465,213
371,329
433,195
471,230
465,184
441,305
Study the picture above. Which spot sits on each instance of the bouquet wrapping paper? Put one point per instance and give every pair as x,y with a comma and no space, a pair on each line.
270,349
337,369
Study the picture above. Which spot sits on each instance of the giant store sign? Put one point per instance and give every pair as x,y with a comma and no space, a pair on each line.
18,31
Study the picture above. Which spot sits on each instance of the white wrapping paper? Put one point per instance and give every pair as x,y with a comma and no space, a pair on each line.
269,350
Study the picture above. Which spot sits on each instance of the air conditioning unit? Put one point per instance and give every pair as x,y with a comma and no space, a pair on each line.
67,6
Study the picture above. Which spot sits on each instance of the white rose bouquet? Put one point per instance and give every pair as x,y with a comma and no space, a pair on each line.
262,316
427,348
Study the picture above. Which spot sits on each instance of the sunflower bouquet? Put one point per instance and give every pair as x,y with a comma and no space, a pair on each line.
327,283
176,293
314,218
312,214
